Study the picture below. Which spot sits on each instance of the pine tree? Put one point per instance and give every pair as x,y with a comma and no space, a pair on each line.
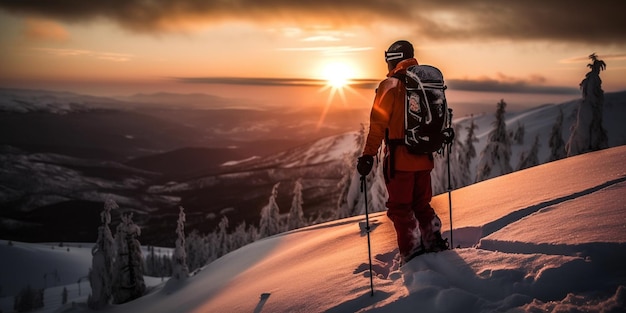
103,258
179,266
376,187
439,174
518,136
197,250
532,158
128,283
469,152
223,240
352,199
350,179
64,296
588,134
557,146
270,216
296,214
376,191
28,299
495,158
241,236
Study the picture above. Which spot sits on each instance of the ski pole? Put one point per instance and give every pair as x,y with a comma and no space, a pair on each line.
450,180
367,230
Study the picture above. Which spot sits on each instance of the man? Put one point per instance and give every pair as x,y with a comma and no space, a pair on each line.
407,176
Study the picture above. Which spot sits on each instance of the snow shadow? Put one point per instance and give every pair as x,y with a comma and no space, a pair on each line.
472,236
373,224
512,217
373,219
359,302
458,281
605,256
464,237
383,266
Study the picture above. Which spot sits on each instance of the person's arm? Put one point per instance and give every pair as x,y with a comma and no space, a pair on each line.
380,115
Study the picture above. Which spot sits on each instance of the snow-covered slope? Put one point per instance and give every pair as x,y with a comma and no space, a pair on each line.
539,122
549,238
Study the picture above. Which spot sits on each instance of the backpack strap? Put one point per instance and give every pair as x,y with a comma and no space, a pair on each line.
400,76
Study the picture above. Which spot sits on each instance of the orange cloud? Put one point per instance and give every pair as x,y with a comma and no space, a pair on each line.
107,56
581,21
37,29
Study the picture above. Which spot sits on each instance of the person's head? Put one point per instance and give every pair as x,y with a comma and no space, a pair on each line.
398,51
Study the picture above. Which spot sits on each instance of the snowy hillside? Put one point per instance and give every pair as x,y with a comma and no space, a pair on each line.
537,123
547,239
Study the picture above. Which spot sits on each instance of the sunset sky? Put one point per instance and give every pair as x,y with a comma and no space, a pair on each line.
123,47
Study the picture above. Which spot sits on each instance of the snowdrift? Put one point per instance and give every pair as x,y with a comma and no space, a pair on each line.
549,238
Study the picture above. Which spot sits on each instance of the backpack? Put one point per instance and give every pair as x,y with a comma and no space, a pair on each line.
426,120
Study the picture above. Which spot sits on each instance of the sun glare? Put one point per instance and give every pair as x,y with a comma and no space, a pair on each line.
337,74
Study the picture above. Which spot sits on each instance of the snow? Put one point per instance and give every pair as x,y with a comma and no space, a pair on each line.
233,163
550,238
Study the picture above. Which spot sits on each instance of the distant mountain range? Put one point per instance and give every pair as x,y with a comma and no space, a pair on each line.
64,154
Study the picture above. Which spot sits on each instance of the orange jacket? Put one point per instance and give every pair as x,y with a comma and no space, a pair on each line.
388,113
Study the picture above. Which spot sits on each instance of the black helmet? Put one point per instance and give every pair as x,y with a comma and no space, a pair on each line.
398,51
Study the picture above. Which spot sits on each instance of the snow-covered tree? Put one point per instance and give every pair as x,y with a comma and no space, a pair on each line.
296,214
270,216
103,257
128,283
28,299
588,134
223,239
242,235
520,132
440,179
495,158
377,189
350,179
352,199
556,143
197,250
468,153
531,158
64,296
179,259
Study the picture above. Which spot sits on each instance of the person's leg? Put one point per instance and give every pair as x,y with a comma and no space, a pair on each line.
428,221
400,189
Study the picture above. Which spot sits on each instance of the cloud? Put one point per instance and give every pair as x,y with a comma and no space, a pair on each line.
509,85
502,83
47,30
265,81
329,50
254,81
107,56
582,21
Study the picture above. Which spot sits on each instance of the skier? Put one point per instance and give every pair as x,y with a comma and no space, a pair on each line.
407,176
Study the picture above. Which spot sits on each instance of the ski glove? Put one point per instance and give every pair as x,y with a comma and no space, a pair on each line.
364,165
448,135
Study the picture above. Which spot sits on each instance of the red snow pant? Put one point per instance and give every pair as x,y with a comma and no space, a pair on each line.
409,206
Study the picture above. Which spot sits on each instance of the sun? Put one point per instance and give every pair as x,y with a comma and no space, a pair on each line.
337,74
